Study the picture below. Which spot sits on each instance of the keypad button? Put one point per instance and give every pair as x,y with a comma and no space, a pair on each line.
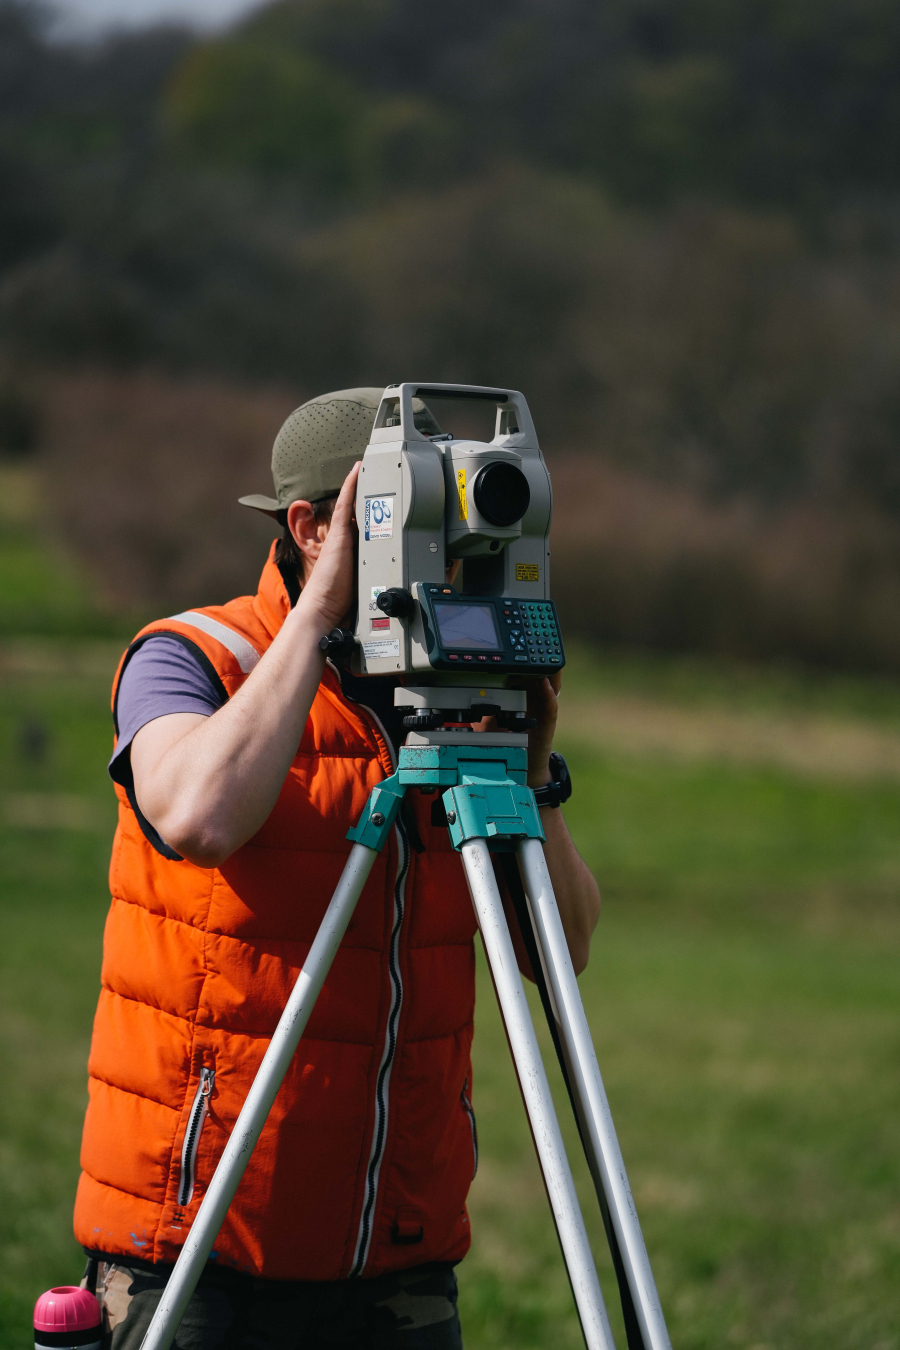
466,657
520,658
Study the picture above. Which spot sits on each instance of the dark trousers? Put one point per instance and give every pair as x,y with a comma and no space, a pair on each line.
412,1310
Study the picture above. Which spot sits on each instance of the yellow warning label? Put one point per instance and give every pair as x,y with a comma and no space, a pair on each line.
527,572
461,489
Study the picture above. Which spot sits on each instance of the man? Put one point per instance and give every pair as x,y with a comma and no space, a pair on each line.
241,759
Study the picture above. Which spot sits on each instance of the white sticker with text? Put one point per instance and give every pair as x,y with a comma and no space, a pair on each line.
380,648
379,522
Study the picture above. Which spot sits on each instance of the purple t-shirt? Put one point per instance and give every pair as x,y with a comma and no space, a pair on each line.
164,676
167,676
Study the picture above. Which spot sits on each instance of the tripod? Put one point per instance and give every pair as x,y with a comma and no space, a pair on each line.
489,809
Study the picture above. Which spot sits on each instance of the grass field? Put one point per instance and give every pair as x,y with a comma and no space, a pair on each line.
743,992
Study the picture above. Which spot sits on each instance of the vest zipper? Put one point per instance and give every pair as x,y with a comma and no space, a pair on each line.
382,1085
199,1112
467,1107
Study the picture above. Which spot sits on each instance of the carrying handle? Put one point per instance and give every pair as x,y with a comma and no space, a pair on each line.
514,426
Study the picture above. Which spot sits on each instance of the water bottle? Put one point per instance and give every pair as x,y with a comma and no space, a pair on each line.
67,1318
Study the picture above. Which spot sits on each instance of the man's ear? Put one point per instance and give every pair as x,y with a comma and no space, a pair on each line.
307,533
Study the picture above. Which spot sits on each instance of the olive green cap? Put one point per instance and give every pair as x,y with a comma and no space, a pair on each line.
317,447
321,441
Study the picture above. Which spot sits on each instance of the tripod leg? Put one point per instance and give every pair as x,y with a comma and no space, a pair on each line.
597,1128
248,1126
512,877
536,1093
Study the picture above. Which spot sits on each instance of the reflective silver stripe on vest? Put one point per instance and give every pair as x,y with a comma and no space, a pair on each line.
247,657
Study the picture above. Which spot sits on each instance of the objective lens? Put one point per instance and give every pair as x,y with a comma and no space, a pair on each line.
501,494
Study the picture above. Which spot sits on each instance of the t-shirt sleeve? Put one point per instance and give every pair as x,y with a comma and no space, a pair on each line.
163,676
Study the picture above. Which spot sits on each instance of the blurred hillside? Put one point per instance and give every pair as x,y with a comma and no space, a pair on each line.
677,229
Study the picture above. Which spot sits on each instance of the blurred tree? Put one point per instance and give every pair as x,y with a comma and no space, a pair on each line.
19,419
238,103
678,227
29,217
404,142
790,103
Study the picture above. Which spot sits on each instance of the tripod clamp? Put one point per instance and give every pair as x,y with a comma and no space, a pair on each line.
485,794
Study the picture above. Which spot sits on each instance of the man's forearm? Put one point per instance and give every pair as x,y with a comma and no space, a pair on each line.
576,891
207,785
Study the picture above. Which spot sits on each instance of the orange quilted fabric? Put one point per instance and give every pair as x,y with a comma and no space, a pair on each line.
367,1157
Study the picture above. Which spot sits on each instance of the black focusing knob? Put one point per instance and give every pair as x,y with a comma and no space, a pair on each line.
396,603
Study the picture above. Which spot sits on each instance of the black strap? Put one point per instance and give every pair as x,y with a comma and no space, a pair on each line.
510,869
89,1278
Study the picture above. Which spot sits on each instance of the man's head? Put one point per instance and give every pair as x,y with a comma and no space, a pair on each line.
312,455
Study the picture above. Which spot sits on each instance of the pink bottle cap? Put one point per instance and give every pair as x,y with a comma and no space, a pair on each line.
67,1308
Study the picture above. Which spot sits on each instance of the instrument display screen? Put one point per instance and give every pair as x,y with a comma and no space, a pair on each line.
464,625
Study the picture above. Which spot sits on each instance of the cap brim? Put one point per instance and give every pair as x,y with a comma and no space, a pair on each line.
268,505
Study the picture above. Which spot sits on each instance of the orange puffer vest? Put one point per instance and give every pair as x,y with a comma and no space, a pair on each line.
365,1162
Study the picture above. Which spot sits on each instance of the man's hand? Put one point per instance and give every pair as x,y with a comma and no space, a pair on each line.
543,706
328,593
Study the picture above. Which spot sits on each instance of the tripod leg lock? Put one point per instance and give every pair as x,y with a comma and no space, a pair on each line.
499,810
379,814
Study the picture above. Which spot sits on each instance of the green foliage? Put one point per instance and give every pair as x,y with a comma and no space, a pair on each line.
402,142
792,103
241,104
676,227
258,105
42,591
661,129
